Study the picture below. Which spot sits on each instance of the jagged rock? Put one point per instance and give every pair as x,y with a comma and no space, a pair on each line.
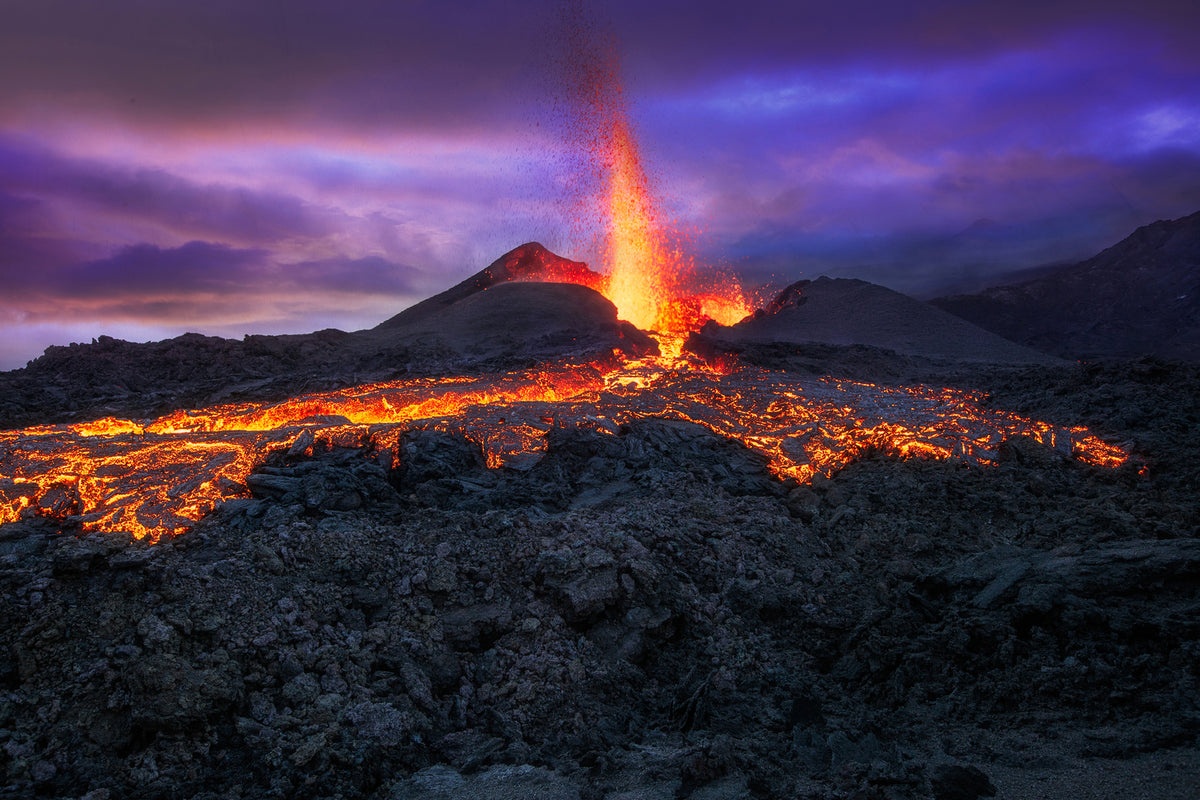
457,331
692,632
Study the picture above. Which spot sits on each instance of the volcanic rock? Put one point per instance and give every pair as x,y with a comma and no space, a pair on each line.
1139,297
645,612
955,782
703,631
529,262
845,311
515,320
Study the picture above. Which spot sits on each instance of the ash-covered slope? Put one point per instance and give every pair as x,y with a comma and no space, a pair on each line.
529,262
514,324
495,320
846,311
1139,297
516,308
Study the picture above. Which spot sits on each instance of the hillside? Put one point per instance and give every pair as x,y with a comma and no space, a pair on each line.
1139,297
846,311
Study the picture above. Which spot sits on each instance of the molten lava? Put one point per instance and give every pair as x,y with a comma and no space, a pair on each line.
651,281
649,274
636,267
157,478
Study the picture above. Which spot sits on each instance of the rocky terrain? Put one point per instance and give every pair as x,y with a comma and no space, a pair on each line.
1139,297
646,615
846,311
645,612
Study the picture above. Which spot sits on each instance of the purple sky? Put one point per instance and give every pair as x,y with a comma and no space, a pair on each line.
237,167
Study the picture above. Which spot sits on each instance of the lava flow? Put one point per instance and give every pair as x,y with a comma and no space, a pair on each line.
158,478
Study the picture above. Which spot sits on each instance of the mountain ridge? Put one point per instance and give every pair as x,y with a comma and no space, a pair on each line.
1139,297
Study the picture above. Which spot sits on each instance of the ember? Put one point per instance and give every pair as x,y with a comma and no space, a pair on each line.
650,276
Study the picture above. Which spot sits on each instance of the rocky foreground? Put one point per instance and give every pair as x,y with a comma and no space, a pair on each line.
646,615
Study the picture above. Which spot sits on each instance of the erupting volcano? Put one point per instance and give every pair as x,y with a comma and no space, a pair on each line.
156,477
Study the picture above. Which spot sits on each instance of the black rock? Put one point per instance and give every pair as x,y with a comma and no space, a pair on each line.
956,782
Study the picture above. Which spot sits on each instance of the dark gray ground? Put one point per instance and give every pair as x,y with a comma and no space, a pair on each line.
904,629
847,311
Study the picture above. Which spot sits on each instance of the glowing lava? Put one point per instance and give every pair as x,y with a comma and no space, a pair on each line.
651,280
649,273
157,478
637,270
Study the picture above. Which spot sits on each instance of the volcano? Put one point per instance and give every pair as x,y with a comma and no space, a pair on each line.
845,311
507,544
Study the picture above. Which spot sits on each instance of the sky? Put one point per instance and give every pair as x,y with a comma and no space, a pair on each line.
234,167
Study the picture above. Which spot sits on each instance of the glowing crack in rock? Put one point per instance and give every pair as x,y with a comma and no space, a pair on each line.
157,479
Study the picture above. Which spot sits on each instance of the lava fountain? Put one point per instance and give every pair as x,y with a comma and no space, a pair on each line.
649,274
651,279
637,271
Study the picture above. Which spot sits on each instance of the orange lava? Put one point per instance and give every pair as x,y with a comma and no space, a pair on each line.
650,274
637,271
157,479
651,280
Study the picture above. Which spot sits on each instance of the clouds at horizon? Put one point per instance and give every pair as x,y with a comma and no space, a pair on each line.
271,165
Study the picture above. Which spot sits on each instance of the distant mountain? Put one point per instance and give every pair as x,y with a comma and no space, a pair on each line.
848,311
1139,297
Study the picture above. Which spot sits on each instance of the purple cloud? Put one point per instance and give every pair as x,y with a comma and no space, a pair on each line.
182,207
369,275
154,272
202,272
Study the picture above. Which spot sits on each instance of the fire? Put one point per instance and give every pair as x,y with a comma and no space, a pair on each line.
158,478
637,271
649,274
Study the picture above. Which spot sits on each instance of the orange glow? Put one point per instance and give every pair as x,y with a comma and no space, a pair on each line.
637,272
650,274
651,281
157,479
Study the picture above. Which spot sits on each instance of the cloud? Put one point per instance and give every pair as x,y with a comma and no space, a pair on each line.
139,194
147,276
154,273
369,275
245,162
475,65
319,63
